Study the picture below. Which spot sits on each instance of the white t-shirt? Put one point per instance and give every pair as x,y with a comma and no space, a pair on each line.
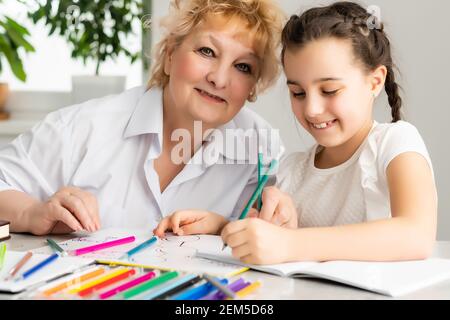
355,191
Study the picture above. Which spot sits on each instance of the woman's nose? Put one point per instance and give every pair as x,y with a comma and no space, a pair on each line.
218,76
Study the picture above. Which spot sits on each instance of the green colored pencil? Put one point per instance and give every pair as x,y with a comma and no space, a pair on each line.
56,247
256,193
150,284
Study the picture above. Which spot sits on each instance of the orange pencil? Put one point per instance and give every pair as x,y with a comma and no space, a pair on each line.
106,283
19,265
74,281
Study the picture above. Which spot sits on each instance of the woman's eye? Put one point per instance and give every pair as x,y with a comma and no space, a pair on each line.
206,51
244,67
330,93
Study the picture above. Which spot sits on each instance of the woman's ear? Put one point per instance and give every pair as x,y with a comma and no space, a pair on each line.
168,58
378,78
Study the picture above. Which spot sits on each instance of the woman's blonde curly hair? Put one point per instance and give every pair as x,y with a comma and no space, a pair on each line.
263,17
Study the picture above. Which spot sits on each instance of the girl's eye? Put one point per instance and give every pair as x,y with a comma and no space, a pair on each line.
206,51
330,93
298,94
244,67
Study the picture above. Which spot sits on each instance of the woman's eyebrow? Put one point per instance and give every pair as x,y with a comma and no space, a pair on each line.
218,43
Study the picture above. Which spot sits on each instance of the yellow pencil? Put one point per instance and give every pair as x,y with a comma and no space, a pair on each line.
101,279
130,264
74,281
247,290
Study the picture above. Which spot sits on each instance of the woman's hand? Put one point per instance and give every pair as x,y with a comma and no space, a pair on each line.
69,209
255,241
277,208
191,222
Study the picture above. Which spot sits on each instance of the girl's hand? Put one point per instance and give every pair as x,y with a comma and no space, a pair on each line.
255,241
191,222
69,209
277,208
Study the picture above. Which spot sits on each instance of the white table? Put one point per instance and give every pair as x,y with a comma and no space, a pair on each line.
275,287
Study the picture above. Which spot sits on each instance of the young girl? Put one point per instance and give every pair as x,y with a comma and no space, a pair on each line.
115,161
366,190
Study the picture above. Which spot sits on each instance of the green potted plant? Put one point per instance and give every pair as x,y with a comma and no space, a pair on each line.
13,44
96,31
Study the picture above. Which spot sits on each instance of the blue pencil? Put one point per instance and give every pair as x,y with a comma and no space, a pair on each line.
197,292
140,247
39,266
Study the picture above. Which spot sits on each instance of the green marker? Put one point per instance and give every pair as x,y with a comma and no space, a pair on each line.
150,284
56,247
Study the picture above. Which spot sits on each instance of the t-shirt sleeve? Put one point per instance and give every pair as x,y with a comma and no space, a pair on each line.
34,162
400,138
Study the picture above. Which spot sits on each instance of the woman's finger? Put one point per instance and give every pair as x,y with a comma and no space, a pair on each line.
77,208
65,216
90,203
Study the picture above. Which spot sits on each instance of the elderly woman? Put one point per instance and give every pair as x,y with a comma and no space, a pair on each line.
117,161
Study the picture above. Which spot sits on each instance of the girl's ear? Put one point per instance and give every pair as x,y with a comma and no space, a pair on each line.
378,78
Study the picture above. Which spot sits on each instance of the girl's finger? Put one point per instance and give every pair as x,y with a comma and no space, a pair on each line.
233,227
241,251
270,200
162,227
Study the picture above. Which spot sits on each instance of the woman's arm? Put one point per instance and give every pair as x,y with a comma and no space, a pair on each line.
70,209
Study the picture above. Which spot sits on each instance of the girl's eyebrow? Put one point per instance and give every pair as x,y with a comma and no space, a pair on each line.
315,81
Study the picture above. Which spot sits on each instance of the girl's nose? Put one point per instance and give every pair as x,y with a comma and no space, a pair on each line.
218,77
314,107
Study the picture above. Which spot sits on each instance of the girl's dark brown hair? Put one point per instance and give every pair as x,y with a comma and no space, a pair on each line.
348,21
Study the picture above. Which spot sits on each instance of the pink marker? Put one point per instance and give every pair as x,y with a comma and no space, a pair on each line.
127,285
103,245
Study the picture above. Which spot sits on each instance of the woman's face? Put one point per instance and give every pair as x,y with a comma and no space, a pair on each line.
331,94
212,72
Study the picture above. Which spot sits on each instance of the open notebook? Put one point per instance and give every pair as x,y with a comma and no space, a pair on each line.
387,278
53,270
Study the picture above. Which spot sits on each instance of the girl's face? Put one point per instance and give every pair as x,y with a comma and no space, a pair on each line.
212,72
331,95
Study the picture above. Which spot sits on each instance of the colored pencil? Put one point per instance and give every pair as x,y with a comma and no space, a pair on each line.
76,279
150,284
19,265
104,245
107,283
140,247
128,285
98,280
39,266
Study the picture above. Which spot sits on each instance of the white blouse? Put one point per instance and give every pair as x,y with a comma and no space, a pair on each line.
107,147
355,191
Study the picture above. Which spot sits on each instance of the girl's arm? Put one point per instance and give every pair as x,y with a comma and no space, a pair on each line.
409,234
